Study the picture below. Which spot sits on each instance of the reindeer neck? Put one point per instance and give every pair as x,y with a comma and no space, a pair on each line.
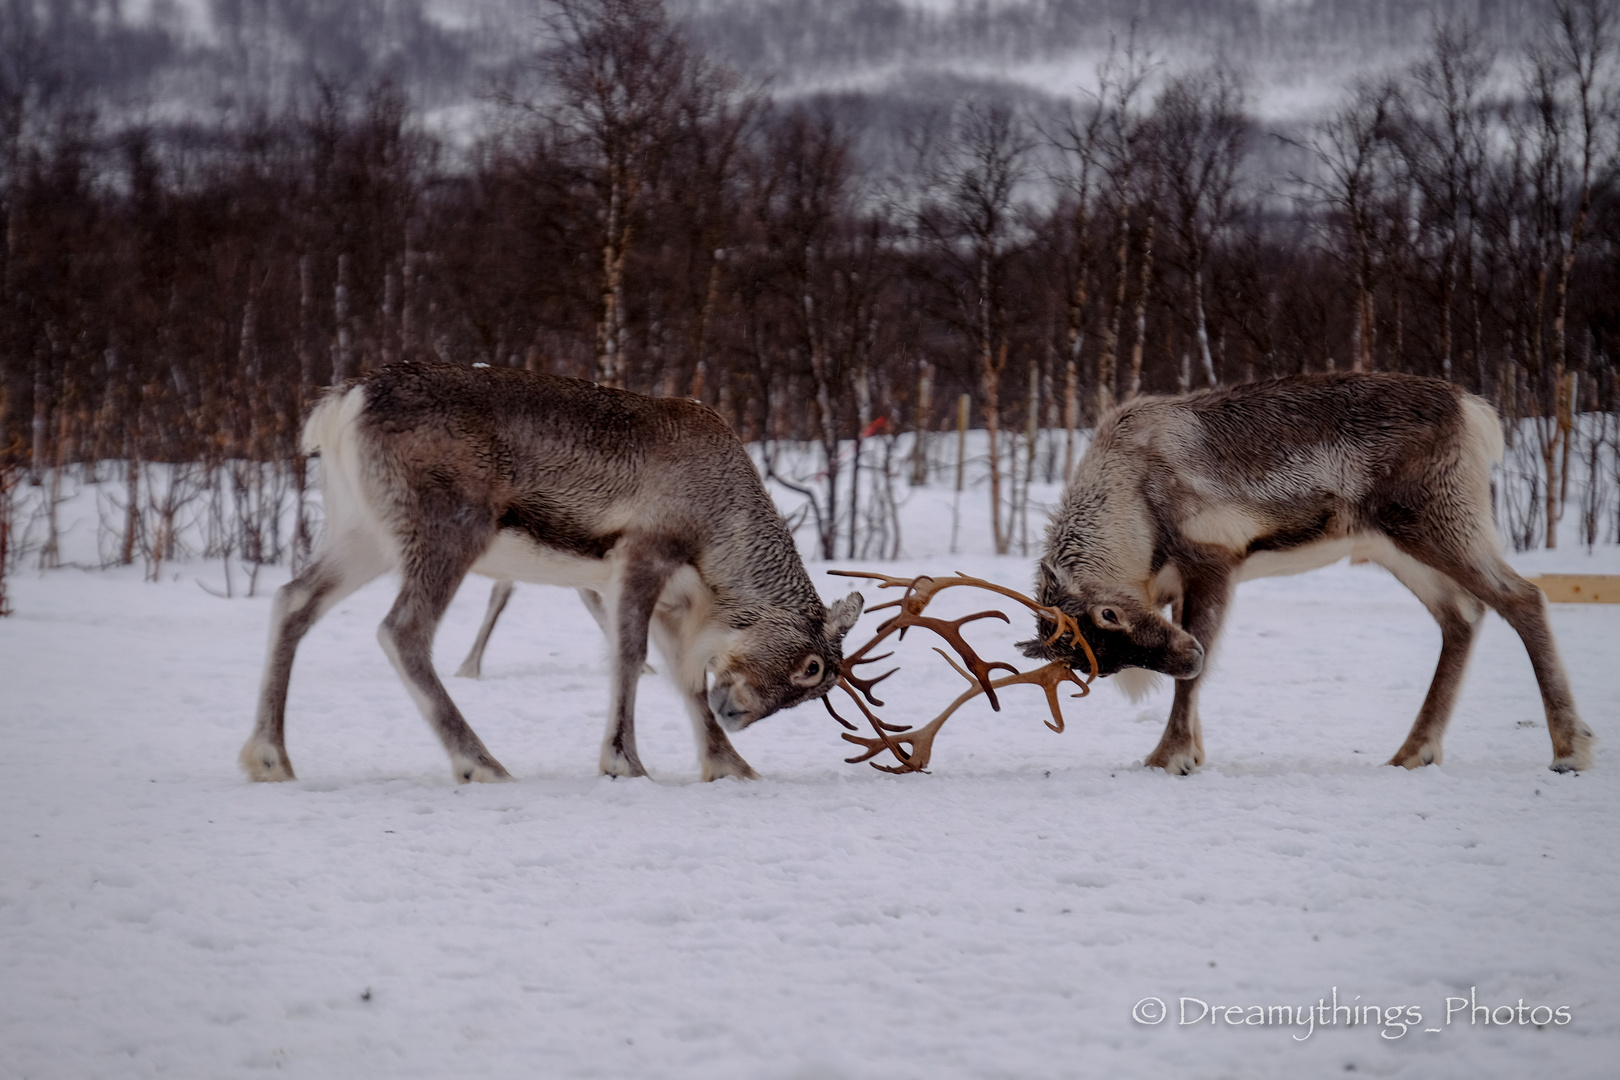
1103,528
753,563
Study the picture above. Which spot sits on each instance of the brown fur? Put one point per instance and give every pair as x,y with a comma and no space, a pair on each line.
651,502
1178,499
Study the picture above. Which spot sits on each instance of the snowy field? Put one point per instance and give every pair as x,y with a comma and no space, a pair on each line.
1019,912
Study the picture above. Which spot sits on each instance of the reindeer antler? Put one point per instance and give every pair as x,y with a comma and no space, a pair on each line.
921,741
919,591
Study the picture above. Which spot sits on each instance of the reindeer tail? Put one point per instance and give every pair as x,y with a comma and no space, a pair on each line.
332,420
333,429
1484,427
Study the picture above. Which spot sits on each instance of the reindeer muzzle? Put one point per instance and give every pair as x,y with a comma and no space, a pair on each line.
1190,666
726,711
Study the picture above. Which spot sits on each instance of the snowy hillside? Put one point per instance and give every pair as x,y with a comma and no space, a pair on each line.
172,57
1004,916
1298,54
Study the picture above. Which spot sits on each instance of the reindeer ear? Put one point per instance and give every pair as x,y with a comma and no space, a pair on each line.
1035,649
842,615
1046,579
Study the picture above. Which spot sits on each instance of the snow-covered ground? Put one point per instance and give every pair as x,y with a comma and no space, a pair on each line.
1016,913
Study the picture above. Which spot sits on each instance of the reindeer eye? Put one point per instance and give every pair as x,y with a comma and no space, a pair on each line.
808,673
1108,616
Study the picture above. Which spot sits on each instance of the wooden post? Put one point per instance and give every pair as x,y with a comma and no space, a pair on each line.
963,404
342,352
1579,588
925,407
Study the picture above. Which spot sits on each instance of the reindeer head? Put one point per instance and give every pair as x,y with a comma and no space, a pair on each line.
1123,629
778,661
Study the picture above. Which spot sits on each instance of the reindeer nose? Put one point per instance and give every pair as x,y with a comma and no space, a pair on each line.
730,716
1195,663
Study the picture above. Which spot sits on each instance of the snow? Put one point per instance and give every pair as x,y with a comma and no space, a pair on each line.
1001,916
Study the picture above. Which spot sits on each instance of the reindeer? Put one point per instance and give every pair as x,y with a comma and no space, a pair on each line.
1179,499
652,503
473,666
499,593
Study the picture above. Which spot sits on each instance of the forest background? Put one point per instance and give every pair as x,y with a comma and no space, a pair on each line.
848,225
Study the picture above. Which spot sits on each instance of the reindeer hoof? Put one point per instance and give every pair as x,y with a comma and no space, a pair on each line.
1416,759
481,772
733,766
1179,763
619,765
265,763
1579,757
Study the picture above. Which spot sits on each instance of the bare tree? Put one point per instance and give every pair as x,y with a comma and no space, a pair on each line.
1580,52
971,222
1202,130
1439,134
175,293
805,203
1078,138
620,71
11,474
1352,152
714,118
1120,143
1541,202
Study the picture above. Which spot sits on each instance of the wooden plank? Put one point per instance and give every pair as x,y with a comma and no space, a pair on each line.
1579,588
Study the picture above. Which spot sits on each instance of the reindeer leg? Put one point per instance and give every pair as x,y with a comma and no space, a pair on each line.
1181,747
342,566
473,666
716,756
436,558
1483,572
1459,615
640,582
1525,609
593,604
1207,592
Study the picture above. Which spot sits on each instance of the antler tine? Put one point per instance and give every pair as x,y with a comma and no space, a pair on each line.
859,655
912,749
921,741
951,631
865,685
885,741
1047,678
915,591
1063,621
870,716
826,701
885,581
919,591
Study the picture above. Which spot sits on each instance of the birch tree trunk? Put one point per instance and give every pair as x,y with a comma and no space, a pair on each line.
1108,358
342,349
1135,385
1201,327
925,407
